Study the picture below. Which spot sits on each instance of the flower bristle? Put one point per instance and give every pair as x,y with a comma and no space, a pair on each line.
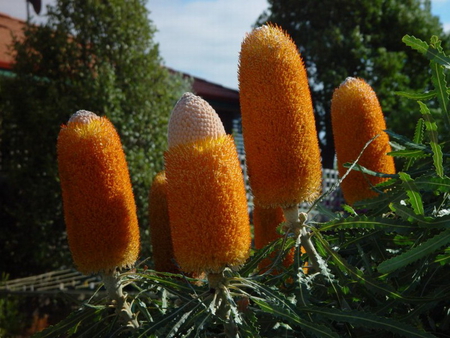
98,201
265,223
357,117
280,138
160,233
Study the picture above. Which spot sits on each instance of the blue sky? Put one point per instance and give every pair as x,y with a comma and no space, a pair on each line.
203,37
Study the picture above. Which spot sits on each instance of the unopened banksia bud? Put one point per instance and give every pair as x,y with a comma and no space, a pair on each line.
206,192
280,138
357,117
160,233
98,201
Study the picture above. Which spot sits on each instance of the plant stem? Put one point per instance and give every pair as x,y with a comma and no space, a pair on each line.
115,292
297,226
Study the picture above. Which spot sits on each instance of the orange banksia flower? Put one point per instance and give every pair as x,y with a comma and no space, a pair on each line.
206,194
265,223
159,225
98,201
356,117
280,138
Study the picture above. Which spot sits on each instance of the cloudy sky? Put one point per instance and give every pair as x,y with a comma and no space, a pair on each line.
203,37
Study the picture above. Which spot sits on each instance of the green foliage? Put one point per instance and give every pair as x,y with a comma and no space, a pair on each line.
383,266
92,55
342,38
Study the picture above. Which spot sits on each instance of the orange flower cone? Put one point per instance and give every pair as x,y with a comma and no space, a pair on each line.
206,194
265,223
159,225
280,138
356,118
99,207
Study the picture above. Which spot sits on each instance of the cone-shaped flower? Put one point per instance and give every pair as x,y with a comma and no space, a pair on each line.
98,201
265,223
356,118
159,225
206,194
280,138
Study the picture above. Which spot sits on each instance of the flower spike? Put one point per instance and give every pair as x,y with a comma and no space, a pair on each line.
99,207
356,118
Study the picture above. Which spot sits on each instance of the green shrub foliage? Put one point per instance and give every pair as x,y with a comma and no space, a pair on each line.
92,55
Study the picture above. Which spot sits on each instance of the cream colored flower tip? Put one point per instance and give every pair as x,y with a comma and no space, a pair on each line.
193,119
83,116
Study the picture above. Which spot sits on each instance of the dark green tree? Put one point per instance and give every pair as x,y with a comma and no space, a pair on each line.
93,55
341,38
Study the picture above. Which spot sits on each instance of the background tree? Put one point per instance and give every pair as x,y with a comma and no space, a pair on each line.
92,55
341,38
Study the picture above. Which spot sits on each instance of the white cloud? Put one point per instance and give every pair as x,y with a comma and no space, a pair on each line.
202,37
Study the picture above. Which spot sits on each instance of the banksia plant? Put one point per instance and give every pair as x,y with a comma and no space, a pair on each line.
98,201
206,193
280,138
160,234
357,117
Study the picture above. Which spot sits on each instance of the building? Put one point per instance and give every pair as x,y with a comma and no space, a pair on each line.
224,100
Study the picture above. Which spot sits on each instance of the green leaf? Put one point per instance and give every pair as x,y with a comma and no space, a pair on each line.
418,96
413,193
438,79
418,138
364,170
431,53
434,184
365,319
431,128
409,153
277,305
364,222
416,253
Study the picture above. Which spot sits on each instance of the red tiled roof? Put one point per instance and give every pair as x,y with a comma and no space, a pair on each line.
9,26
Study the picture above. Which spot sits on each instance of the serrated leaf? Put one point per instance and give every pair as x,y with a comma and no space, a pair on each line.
440,85
276,305
405,141
435,184
415,253
409,153
364,319
418,138
415,199
422,221
364,222
431,53
417,96
431,127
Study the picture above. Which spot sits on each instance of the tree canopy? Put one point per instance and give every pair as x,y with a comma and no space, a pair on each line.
93,55
342,38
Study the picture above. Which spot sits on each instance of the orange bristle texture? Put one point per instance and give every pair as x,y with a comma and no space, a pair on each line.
160,233
207,205
98,201
356,118
265,223
280,138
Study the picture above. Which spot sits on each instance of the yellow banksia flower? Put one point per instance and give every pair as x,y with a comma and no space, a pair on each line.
160,234
206,193
98,201
265,223
280,138
356,118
